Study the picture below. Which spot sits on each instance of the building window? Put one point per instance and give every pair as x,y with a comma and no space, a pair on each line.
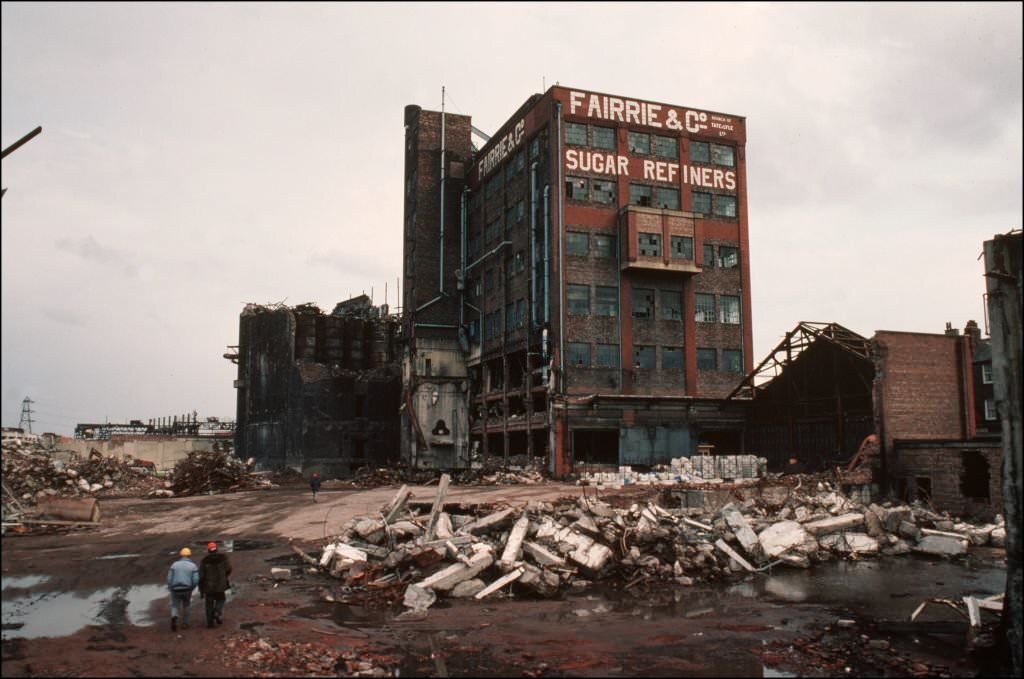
990,409
701,202
722,155
682,247
579,354
606,301
576,134
577,243
644,358
709,256
707,359
700,152
725,206
604,137
986,373
729,309
578,299
639,143
534,147
643,303
704,306
607,356
666,198
671,358
666,147
576,188
604,246
640,195
520,162
732,361
650,244
510,317
671,305
602,191
728,257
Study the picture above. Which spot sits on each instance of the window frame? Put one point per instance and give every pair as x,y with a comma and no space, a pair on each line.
574,351
673,143
654,245
611,349
724,199
649,299
733,252
569,250
599,251
569,301
645,140
594,135
699,309
986,373
732,354
676,352
693,202
573,130
703,351
681,239
578,184
676,298
725,313
634,188
660,192
644,351
601,304
991,412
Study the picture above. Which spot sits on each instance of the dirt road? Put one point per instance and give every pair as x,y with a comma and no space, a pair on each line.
92,603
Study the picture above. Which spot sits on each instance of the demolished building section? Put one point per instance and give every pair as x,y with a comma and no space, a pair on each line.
318,391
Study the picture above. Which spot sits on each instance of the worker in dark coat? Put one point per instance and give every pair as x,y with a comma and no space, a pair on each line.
214,570
314,484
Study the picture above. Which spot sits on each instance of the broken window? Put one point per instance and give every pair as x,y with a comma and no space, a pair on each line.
643,303
701,202
699,152
604,246
923,488
639,143
607,356
578,299
725,206
606,301
704,307
722,155
643,357
974,478
577,243
650,244
576,134
666,147
579,354
602,191
729,309
709,256
671,305
639,194
671,358
707,359
576,188
732,360
665,198
728,256
682,247
604,137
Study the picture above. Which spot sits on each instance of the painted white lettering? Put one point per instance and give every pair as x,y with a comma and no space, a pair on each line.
615,108
705,177
623,165
673,169
575,101
691,121
652,115
571,160
719,175
695,176
632,111
648,169
661,174
594,109
585,162
598,163
730,181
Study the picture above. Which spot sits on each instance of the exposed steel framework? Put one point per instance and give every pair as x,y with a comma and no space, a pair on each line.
799,338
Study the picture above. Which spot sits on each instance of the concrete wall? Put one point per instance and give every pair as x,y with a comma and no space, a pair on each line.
164,454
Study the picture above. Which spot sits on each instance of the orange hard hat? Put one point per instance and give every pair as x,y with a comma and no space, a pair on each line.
211,546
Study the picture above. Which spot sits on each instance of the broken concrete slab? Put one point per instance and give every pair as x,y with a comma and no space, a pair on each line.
418,598
585,551
909,530
860,543
781,537
941,545
542,556
894,516
741,528
720,543
835,524
998,537
487,522
513,547
280,573
467,588
448,577
395,508
500,582
442,492
540,581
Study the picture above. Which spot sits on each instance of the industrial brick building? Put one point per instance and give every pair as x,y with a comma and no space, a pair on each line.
578,287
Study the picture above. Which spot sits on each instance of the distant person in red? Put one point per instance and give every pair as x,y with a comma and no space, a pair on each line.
214,571
314,484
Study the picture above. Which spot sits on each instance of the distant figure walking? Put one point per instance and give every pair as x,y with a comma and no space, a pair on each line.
214,570
182,578
314,484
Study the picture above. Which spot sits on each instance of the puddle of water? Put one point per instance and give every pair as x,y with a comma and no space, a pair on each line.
772,672
23,581
236,545
57,614
116,556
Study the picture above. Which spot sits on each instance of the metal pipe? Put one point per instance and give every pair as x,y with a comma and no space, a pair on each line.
533,245
440,267
426,304
434,325
483,257
561,246
547,260
462,255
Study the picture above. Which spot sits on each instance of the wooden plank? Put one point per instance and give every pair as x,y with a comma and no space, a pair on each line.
442,491
395,507
500,582
720,543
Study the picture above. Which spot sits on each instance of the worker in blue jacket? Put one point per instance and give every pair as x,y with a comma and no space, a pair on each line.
182,578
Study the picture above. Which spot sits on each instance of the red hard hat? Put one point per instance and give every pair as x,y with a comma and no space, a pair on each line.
211,546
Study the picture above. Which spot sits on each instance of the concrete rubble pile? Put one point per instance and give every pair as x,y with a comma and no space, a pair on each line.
30,472
699,468
543,548
213,472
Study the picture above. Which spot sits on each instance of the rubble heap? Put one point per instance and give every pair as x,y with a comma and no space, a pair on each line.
544,547
213,472
30,471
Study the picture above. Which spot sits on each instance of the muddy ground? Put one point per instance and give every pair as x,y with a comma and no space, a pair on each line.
92,603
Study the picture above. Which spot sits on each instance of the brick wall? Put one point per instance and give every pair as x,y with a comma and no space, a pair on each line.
943,466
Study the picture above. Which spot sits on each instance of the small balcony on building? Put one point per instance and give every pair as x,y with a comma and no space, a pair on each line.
658,240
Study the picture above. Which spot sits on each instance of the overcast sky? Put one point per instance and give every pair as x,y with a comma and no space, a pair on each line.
195,158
